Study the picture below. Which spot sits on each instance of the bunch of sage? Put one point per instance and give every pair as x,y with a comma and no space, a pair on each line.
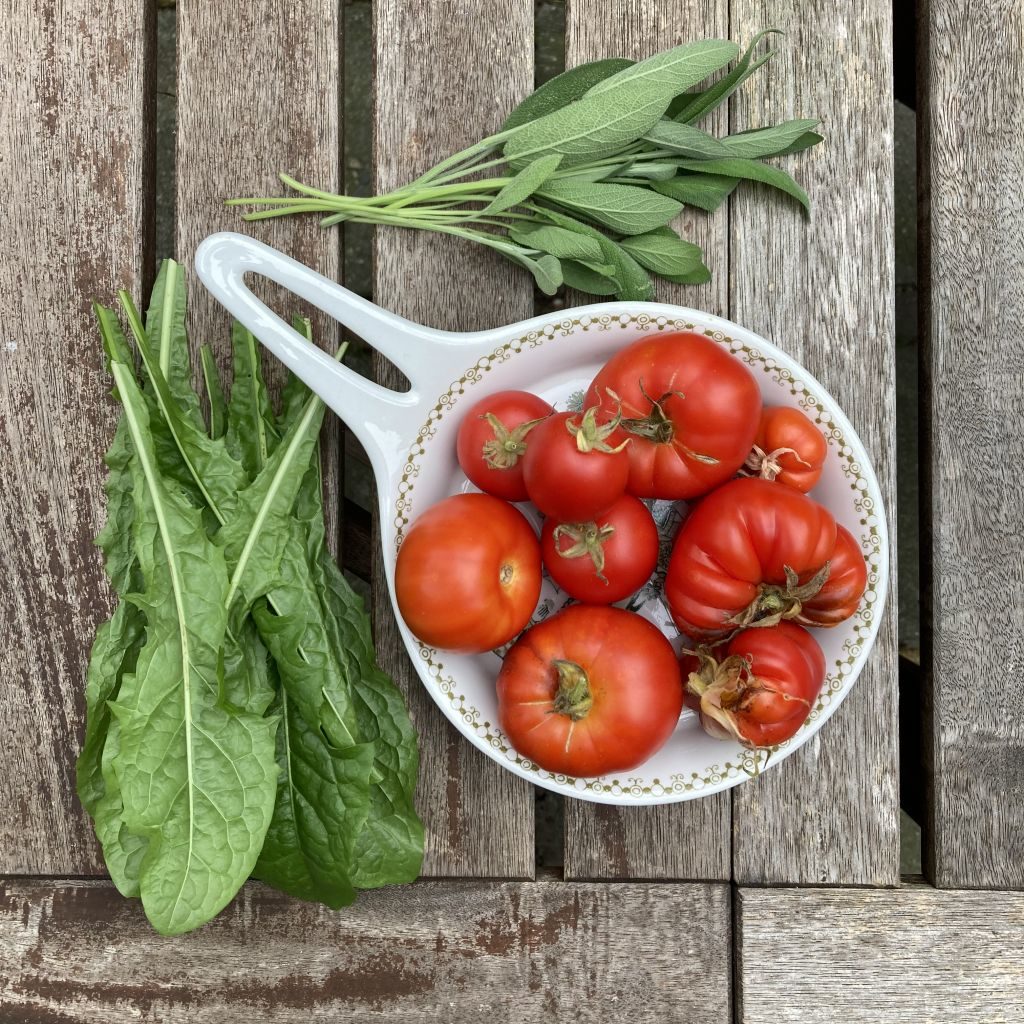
596,162
237,721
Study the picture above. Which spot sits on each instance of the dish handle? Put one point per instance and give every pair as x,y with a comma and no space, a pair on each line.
369,410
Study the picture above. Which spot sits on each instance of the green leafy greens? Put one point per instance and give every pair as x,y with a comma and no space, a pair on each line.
237,721
609,151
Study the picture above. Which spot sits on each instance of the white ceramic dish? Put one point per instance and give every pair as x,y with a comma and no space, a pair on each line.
410,439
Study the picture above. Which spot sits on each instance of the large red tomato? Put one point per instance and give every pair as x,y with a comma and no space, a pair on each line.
758,688
759,551
493,438
570,470
605,560
468,573
590,691
788,448
690,408
840,594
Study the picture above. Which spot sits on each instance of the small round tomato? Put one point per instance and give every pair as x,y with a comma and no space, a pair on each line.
492,441
759,687
788,448
755,552
468,573
571,472
689,407
605,560
591,690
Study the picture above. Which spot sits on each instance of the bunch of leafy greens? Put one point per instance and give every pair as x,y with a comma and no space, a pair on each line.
596,163
237,722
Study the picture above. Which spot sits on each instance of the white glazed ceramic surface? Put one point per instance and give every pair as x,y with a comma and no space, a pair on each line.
410,439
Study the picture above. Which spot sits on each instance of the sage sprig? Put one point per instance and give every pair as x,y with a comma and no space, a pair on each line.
587,173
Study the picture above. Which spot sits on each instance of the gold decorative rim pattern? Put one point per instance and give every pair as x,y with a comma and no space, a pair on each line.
750,762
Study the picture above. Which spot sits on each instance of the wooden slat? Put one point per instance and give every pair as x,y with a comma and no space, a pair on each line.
446,75
822,288
971,121
518,953
815,956
74,170
688,840
258,93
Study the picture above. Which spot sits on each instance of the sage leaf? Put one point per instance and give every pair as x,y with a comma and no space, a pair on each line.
736,167
251,436
663,252
559,242
647,170
699,275
686,140
705,191
586,279
697,106
524,184
563,89
547,272
214,393
194,778
761,142
672,71
806,141
623,208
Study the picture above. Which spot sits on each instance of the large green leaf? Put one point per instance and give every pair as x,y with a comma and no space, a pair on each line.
563,89
753,170
569,245
623,208
197,780
772,141
672,71
664,252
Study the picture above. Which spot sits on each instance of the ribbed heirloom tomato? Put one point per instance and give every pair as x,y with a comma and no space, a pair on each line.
468,573
605,560
788,448
689,407
492,441
758,688
591,690
760,551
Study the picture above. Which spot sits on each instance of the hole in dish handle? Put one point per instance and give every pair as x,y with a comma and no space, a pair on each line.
222,260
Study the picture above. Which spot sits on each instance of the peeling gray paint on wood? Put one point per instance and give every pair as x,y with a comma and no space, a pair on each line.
460,952
74,170
447,75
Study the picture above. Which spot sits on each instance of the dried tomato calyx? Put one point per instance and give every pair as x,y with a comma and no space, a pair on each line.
722,687
658,427
585,539
507,447
766,464
573,697
592,436
775,603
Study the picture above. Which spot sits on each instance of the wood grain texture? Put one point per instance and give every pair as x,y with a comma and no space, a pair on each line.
687,840
74,171
971,149
823,290
814,956
459,952
446,75
259,87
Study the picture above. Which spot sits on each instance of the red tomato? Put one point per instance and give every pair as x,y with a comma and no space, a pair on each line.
591,690
468,573
758,551
788,448
690,408
571,472
492,441
605,560
758,688
841,592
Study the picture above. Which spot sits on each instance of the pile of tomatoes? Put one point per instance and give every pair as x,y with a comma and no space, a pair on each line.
596,689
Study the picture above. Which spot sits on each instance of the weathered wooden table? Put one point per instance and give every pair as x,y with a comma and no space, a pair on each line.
781,900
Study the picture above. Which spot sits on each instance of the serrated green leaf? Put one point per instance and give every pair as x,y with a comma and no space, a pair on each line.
252,433
214,393
196,780
705,191
563,89
524,184
752,170
664,253
686,140
772,141
693,108
559,242
623,208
